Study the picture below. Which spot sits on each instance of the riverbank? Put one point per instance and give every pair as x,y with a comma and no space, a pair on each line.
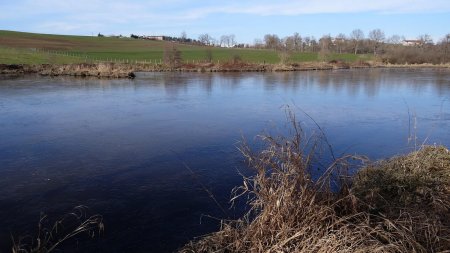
121,70
398,205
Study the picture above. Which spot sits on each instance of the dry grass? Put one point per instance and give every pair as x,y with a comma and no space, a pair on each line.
48,238
400,205
413,191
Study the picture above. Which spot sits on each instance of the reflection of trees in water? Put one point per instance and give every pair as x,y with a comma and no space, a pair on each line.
443,83
174,83
206,82
287,80
368,82
233,80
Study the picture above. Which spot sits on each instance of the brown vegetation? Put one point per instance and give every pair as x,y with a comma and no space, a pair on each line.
50,237
399,205
122,70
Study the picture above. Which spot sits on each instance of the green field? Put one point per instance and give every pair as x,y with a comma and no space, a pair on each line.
31,48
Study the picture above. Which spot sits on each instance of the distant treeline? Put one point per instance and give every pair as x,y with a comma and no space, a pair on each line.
395,49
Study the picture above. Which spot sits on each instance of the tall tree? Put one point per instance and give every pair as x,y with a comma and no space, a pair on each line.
377,38
289,43
205,39
340,42
183,36
297,41
357,37
395,39
232,40
172,56
272,41
224,40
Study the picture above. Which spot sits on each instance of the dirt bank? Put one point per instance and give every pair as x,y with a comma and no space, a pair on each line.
121,70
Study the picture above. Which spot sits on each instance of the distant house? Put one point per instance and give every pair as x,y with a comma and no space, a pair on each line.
154,37
412,43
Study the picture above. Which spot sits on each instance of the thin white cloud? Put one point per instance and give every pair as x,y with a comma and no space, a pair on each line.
82,15
64,27
196,9
323,7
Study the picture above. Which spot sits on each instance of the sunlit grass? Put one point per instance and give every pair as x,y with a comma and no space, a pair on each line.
42,48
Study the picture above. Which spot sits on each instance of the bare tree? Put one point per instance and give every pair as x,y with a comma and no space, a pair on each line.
227,40
340,42
232,40
357,37
258,43
209,55
313,44
425,39
376,37
325,44
183,36
297,41
205,39
289,43
272,41
306,43
224,40
395,39
446,42
172,56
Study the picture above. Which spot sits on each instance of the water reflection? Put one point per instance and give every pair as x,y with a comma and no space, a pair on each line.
118,146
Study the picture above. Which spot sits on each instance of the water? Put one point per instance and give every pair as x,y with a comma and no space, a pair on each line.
118,146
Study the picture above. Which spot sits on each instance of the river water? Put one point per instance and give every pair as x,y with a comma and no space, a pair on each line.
122,147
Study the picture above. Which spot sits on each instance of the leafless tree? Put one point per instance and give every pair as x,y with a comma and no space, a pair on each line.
232,40
306,43
357,36
376,37
297,41
258,43
227,40
183,36
340,42
289,43
325,44
314,46
206,39
272,41
447,44
395,39
425,39
208,55
172,56
224,40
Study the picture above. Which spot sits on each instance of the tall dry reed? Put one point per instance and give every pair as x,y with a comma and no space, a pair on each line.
383,208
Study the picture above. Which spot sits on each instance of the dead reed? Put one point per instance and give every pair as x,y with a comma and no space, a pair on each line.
399,205
48,238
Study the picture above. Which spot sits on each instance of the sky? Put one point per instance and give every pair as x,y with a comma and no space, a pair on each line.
246,19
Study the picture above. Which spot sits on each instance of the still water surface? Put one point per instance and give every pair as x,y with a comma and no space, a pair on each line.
118,146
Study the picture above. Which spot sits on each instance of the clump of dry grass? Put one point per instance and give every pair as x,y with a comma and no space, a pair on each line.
48,238
412,190
381,209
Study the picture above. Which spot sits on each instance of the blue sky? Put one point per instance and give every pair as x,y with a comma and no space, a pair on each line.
247,19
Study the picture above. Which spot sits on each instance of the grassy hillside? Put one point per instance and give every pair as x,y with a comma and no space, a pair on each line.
31,48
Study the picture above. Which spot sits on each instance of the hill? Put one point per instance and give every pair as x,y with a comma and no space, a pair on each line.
32,48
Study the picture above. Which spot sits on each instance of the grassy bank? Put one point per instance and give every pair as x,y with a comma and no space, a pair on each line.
397,205
31,48
124,70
